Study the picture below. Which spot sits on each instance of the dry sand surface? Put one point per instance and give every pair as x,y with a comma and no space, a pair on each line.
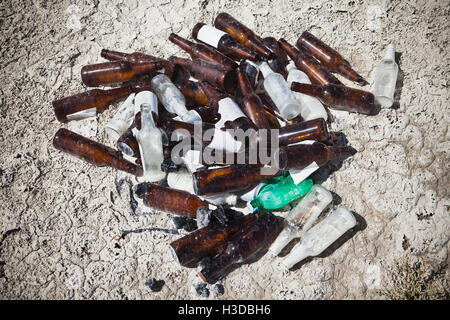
61,219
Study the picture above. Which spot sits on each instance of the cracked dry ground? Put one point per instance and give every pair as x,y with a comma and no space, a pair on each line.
61,219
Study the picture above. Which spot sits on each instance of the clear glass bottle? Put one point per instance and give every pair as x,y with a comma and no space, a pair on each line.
121,120
278,90
150,146
386,78
321,236
311,108
302,216
171,98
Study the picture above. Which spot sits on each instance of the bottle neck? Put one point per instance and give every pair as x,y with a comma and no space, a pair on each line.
244,83
309,89
113,55
340,152
184,44
265,69
389,55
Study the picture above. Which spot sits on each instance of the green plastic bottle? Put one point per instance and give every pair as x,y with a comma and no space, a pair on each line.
277,195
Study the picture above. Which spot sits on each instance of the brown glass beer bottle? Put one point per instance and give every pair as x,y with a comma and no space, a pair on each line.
191,248
223,42
111,72
202,51
340,97
329,57
228,179
175,201
243,244
93,152
67,107
174,72
241,33
192,92
214,73
316,72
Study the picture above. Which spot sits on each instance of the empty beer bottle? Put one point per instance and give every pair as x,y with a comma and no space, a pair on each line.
329,57
316,72
207,241
302,216
300,156
67,108
171,98
175,73
202,51
95,75
214,73
278,64
311,108
278,90
242,245
192,92
175,201
242,34
277,195
252,105
93,152
321,236
150,144
308,130
340,97
386,78
228,179
223,42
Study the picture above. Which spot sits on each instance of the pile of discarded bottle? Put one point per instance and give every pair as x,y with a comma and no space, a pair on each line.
235,80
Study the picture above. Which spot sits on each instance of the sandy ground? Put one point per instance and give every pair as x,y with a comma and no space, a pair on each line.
61,220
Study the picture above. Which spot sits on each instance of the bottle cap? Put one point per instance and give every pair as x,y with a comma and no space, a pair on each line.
389,54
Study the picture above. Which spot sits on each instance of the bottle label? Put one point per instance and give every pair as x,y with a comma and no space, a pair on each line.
229,111
300,175
223,140
210,35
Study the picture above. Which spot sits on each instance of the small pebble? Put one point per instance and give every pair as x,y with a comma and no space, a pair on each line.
155,285
219,288
202,290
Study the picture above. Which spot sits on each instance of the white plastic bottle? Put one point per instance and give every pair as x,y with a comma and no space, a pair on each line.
321,236
278,90
150,146
385,78
122,119
311,108
172,99
302,216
